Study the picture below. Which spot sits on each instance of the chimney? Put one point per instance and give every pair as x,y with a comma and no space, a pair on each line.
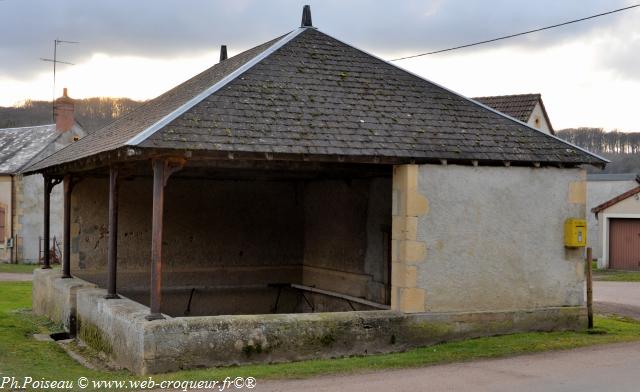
306,16
64,112
223,53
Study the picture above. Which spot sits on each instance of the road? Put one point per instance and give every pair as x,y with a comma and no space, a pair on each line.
622,298
599,368
627,293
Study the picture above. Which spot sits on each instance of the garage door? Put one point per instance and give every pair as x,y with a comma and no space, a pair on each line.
624,244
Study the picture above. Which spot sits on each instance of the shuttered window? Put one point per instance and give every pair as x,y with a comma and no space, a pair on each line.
2,225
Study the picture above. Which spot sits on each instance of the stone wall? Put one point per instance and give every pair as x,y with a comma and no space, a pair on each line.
56,298
485,238
5,203
29,216
29,200
118,328
346,249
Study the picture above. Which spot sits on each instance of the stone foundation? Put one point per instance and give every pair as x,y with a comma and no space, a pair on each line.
56,298
119,329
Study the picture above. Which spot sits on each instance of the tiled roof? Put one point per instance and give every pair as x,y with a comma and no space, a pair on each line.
119,132
18,146
616,200
518,106
312,94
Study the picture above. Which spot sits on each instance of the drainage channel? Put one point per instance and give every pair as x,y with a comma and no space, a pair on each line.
60,336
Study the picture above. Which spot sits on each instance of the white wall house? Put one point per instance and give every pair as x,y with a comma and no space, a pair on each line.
21,198
619,231
527,108
601,188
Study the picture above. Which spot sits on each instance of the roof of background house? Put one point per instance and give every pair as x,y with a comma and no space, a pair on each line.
616,200
18,146
613,177
310,94
518,106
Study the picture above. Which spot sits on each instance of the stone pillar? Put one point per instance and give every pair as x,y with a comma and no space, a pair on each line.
407,251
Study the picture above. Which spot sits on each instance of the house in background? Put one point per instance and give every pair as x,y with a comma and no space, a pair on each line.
527,108
21,198
602,187
618,229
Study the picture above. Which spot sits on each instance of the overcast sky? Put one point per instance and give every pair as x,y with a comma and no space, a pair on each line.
588,73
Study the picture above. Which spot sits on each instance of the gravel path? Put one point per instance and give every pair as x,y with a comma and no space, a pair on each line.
11,277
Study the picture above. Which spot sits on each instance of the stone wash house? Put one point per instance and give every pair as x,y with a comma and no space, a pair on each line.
527,108
21,210
306,199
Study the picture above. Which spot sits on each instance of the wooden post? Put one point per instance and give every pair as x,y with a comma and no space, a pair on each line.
66,230
162,169
589,290
49,183
156,239
47,222
112,251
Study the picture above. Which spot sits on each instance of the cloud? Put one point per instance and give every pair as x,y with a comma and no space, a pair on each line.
182,28
618,49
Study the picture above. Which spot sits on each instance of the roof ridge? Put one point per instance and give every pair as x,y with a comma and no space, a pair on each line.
470,99
615,200
149,131
510,95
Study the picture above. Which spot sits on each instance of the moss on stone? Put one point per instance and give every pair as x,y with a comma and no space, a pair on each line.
327,339
93,337
431,329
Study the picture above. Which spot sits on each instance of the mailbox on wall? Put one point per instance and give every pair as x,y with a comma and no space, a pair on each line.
575,233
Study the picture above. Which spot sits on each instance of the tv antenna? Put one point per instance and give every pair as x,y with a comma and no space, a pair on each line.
55,61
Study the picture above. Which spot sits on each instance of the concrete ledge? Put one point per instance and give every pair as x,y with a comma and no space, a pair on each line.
55,297
113,326
118,328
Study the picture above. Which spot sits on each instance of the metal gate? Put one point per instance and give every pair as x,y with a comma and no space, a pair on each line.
624,244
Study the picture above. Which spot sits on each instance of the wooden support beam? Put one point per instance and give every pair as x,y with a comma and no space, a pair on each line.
162,169
112,251
346,297
49,183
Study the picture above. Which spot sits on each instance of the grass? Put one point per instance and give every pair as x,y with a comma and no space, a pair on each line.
21,355
616,276
18,268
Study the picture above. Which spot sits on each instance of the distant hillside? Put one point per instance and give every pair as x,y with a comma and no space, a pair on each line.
621,148
92,113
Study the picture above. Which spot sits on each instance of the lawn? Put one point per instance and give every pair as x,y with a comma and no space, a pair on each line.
18,268
21,355
616,276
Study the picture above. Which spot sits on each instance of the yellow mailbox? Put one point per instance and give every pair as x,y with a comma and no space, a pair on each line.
575,233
